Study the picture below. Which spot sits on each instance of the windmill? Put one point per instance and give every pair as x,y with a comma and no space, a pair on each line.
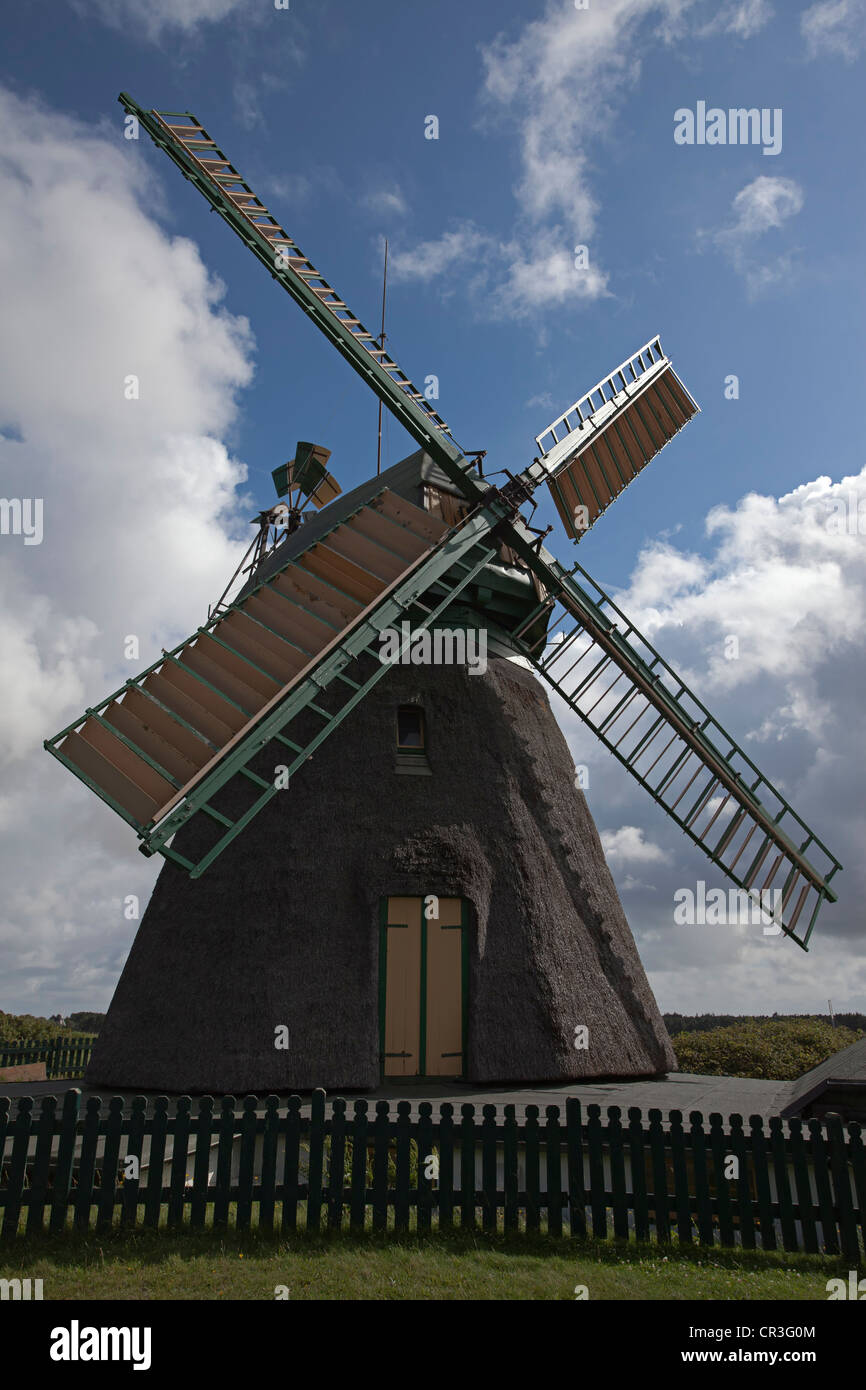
387,867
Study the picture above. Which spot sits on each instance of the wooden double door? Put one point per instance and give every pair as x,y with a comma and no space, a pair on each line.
423,969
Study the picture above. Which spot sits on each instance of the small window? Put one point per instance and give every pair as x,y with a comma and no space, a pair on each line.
410,729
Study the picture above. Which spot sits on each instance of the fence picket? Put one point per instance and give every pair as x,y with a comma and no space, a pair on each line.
201,1173
225,1143
783,1184
65,1159
87,1164
317,1160
805,1201
246,1168
619,1194
401,1167
467,1168
842,1188
425,1154
179,1159
446,1165
110,1164
358,1199
660,1197
858,1173
134,1149
510,1164
381,1136
762,1183
822,1185
156,1160
637,1157
598,1197
5,1107
270,1136
489,1209
17,1166
41,1164
576,1187
336,1165
681,1178
552,1137
745,1209
698,1147
533,1182
292,1164
719,1150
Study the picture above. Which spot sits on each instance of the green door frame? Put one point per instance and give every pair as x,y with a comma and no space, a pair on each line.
384,928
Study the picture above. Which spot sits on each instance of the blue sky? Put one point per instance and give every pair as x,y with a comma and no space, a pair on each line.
555,129
323,110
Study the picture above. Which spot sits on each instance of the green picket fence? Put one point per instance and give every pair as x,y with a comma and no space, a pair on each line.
63,1056
289,1165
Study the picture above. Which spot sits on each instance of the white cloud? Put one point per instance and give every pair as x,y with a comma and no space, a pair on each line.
766,202
545,400
789,581
293,189
156,17
513,282
742,18
560,81
835,28
249,93
560,84
628,846
386,202
762,206
544,276
430,259
142,504
787,577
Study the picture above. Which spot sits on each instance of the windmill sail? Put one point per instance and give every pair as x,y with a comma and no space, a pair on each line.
611,676
591,453
160,749
188,144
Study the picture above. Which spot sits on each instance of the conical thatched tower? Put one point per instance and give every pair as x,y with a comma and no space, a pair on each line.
285,927
307,921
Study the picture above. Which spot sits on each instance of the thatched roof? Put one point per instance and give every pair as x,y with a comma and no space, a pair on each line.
283,928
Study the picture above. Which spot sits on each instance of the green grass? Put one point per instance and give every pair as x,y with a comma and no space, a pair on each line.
227,1265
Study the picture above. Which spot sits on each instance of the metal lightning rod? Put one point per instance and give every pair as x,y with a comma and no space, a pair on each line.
382,344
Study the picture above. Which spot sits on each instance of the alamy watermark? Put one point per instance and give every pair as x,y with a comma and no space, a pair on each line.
77,1343
20,1290
22,516
737,126
736,907
442,647
847,515
855,1288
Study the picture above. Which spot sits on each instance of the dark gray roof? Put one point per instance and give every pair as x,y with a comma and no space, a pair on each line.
849,1065
406,479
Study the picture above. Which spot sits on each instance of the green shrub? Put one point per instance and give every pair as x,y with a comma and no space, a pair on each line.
776,1049
28,1028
